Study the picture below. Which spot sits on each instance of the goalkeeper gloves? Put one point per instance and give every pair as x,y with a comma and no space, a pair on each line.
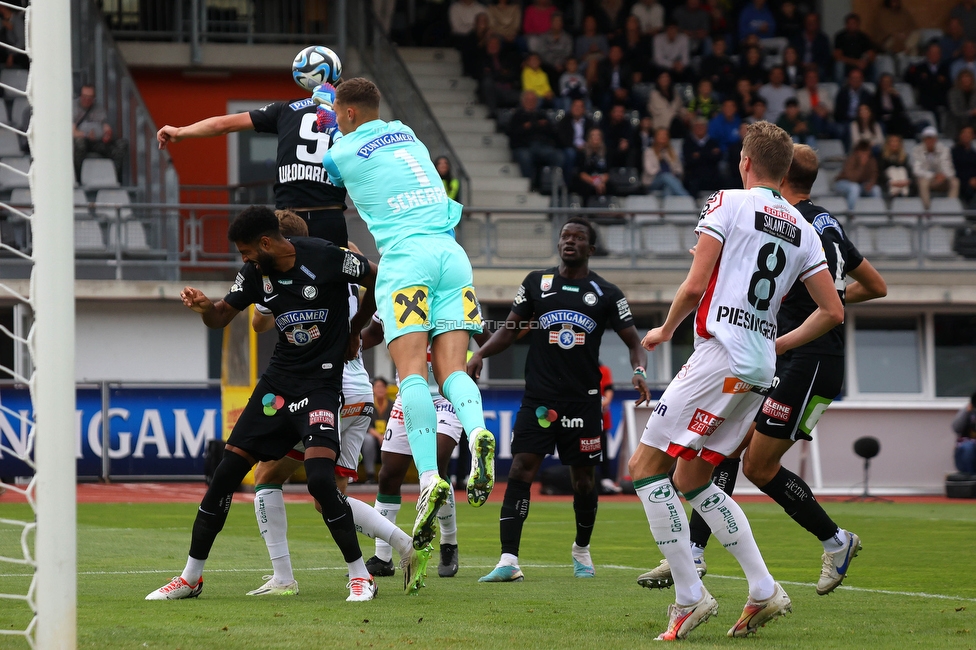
324,97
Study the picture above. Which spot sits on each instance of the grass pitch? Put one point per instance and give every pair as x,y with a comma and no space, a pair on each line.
912,586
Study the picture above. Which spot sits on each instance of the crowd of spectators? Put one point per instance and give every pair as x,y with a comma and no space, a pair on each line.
699,70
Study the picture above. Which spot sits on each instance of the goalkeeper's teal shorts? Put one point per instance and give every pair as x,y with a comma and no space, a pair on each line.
425,284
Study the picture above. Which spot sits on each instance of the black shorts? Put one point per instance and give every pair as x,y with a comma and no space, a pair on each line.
573,429
272,422
327,224
804,387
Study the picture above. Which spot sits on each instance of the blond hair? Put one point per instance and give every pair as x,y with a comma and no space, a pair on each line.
770,149
290,224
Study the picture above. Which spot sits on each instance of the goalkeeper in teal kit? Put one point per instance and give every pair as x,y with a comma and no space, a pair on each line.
424,286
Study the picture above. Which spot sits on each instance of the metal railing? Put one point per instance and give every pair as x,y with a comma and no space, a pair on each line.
96,61
400,90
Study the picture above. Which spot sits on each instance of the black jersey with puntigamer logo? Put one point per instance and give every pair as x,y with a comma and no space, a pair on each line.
568,318
842,257
300,179
310,305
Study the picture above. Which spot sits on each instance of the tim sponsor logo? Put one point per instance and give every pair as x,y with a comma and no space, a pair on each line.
295,407
574,423
704,423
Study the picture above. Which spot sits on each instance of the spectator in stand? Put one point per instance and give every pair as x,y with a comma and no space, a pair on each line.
930,78
572,84
594,171
645,133
12,33
776,92
650,14
591,46
758,113
534,78
537,17
695,22
452,186
620,138
672,52
500,76
794,123
894,170
813,46
702,157
964,161
965,13
732,179
638,49
665,106
505,20
849,98
662,169
895,30
792,70
751,67
719,68
93,134
962,105
932,167
614,79
571,131
720,24
853,49
474,46
816,106
553,47
859,176
966,60
704,102
724,127
610,15
745,97
866,129
461,16
789,21
756,19
889,108
964,426
532,136
952,41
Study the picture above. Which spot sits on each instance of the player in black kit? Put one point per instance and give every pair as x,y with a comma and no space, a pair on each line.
301,185
807,380
567,309
303,281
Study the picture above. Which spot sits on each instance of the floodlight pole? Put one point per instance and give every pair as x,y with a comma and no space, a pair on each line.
52,298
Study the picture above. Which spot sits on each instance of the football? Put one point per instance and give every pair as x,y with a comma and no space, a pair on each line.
316,65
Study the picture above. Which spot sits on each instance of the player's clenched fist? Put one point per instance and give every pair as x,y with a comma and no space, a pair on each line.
654,338
324,97
195,300
168,134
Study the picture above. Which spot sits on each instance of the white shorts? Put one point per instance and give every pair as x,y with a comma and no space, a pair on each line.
705,409
395,440
354,419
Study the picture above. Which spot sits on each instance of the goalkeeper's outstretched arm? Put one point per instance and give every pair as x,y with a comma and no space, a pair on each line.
208,128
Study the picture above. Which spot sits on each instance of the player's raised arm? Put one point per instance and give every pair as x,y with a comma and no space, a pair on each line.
690,293
215,315
829,313
868,284
208,128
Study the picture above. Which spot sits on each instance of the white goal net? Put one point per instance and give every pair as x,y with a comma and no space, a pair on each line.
37,393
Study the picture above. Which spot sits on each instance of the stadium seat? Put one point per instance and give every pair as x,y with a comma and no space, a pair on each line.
624,181
133,236
830,150
22,196
9,143
884,64
679,205
642,204
117,197
920,118
821,186
896,239
907,93
940,232
617,238
870,206
4,116
663,239
943,205
14,77
98,173
503,117
907,206
9,178
835,205
20,113
88,235
522,237
80,199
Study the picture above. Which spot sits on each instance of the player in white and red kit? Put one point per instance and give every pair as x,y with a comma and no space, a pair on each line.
752,246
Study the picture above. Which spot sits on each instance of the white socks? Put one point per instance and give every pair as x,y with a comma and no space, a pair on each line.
357,569
731,528
388,511
836,543
372,524
269,508
193,571
669,525
448,521
427,477
508,559
582,555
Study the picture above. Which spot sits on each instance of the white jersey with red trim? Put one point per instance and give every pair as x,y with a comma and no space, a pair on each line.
766,246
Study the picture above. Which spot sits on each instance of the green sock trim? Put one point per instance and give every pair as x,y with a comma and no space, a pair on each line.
693,493
641,482
389,498
267,486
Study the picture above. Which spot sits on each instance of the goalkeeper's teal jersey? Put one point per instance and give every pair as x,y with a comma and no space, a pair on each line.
388,173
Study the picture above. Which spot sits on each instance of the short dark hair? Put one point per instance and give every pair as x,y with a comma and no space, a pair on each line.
583,221
972,400
252,224
803,170
358,92
862,145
